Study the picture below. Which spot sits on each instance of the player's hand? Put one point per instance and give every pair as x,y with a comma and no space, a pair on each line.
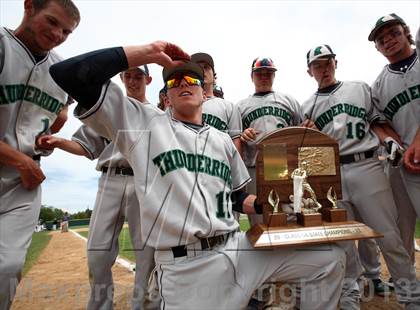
249,134
412,158
309,124
160,52
30,173
47,142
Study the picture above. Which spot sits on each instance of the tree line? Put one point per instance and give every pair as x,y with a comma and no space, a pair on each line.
49,213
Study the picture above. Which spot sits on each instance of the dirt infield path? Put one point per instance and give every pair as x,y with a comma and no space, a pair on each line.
59,280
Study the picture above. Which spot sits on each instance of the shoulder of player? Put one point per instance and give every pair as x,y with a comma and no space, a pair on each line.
356,83
220,101
380,78
285,97
245,101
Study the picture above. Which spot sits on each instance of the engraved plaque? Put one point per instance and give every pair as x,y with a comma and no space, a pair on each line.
275,162
320,160
293,236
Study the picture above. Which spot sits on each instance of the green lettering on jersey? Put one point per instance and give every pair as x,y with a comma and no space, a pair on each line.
265,111
197,163
17,92
400,100
214,121
340,108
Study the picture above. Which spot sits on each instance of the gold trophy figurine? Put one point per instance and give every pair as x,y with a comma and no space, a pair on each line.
332,197
333,213
274,202
274,218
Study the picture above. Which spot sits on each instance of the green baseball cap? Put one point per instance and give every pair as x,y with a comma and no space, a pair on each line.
385,20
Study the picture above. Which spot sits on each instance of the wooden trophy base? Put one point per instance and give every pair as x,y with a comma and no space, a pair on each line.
275,219
309,220
334,215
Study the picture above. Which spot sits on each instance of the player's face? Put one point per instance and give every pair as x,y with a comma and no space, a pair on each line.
48,27
323,70
186,100
135,82
208,72
392,42
263,80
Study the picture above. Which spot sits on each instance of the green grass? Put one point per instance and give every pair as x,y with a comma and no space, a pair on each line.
79,226
126,248
244,223
39,242
418,229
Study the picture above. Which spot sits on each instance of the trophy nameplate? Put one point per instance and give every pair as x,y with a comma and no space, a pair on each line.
303,161
294,235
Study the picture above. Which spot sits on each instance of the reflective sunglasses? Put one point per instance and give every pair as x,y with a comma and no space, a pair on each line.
176,81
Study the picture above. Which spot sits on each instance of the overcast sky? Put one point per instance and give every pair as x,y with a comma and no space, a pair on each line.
234,33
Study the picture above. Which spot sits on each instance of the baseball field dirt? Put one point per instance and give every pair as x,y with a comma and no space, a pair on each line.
59,280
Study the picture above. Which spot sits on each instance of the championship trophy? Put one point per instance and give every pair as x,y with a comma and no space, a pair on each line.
298,184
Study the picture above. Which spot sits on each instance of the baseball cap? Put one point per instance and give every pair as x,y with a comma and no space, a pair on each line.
144,69
186,67
203,57
263,63
320,51
384,20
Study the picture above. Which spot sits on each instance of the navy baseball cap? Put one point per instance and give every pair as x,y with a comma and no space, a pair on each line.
385,20
321,51
186,67
144,69
263,63
203,57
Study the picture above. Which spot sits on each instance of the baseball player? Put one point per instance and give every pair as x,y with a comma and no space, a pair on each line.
218,112
163,102
30,104
395,94
262,112
116,199
344,110
186,172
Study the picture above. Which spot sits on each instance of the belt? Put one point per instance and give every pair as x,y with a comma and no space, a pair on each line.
348,159
205,243
119,170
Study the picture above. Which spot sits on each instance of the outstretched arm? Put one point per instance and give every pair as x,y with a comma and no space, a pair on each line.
49,142
83,76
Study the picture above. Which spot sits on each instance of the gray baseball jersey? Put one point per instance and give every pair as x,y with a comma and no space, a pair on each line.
267,113
396,95
169,157
30,100
99,148
29,103
222,115
183,179
345,114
